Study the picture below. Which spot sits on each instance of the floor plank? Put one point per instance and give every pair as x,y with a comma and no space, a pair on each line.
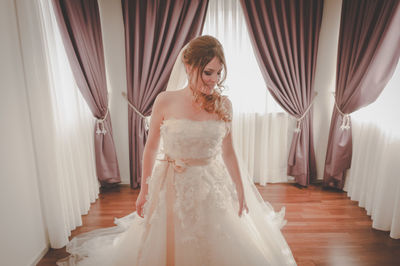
324,226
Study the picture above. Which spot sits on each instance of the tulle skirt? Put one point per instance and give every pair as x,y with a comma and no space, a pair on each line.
207,228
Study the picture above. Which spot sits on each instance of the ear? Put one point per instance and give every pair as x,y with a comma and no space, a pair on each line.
191,73
188,68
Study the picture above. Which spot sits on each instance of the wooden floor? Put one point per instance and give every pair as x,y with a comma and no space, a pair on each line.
324,226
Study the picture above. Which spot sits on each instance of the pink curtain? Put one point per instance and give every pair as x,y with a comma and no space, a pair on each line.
155,32
285,39
79,23
369,49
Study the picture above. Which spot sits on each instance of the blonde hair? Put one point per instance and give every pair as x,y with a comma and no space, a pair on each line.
198,53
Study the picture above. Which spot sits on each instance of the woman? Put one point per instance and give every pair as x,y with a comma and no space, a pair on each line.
195,207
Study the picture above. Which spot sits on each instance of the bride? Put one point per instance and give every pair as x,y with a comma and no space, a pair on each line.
196,205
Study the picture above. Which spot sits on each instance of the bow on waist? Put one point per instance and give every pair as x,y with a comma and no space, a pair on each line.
180,165
168,180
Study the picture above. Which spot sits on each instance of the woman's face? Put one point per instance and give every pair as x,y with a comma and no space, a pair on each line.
210,76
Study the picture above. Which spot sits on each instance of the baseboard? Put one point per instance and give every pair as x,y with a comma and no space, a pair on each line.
41,255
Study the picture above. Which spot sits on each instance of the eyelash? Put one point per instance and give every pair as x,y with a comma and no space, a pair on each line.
209,73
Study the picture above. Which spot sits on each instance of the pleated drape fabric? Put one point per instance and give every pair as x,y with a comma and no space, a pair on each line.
285,37
61,125
79,23
368,52
155,32
373,178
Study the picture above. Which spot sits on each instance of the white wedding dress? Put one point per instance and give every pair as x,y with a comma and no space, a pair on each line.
200,224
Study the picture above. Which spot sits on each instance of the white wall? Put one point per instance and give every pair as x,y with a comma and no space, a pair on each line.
325,79
23,238
114,50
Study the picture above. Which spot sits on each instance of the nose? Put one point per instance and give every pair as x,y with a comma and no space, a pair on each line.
214,78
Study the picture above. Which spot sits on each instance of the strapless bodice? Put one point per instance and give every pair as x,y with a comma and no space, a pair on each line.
185,138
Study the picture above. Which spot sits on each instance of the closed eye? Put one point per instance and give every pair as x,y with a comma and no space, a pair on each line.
209,73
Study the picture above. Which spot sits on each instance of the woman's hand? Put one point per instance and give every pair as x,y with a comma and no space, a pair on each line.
242,205
141,200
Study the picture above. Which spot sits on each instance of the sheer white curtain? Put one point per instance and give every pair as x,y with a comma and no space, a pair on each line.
260,127
61,122
374,177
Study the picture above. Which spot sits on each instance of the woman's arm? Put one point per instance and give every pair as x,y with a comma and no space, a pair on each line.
231,162
150,149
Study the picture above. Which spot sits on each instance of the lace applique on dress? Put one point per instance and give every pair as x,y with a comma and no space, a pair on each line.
206,225
226,107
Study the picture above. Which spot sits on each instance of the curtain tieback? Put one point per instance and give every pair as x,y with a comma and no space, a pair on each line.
298,120
100,124
346,117
146,122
